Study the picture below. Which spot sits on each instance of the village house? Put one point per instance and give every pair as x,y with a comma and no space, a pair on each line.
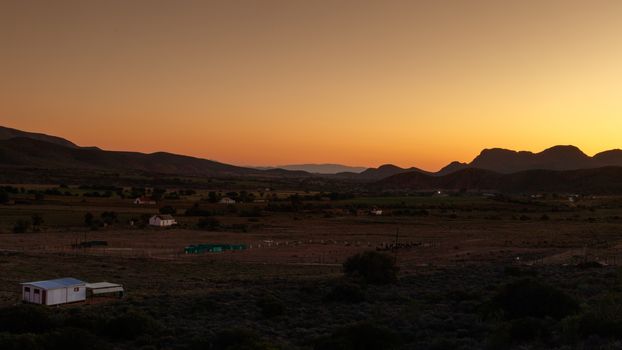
162,220
144,201
376,211
227,200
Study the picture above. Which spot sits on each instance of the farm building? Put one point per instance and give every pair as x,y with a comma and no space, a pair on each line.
54,292
104,288
144,201
376,211
227,200
66,290
162,220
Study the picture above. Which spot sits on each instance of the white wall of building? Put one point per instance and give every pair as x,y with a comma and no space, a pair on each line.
32,294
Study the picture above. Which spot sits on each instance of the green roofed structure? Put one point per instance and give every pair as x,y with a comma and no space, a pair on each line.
213,248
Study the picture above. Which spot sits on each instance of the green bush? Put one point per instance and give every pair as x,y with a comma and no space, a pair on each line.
208,223
168,210
372,267
603,319
363,336
25,319
73,338
270,307
239,339
4,197
531,298
346,292
27,341
21,226
520,331
130,325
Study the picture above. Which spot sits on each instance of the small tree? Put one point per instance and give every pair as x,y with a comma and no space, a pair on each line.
21,226
208,224
4,197
168,210
158,193
37,221
109,217
362,336
372,267
213,197
532,298
88,219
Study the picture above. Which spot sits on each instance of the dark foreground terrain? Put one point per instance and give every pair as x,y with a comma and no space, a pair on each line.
226,305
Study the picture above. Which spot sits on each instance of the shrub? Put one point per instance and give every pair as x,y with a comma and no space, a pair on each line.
37,221
130,325
196,210
21,342
239,339
363,336
372,267
270,307
25,319
4,197
208,223
253,212
73,338
168,210
109,217
516,271
21,226
346,292
531,298
603,319
520,331
88,219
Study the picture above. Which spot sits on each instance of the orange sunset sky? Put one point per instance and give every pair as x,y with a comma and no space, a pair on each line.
265,82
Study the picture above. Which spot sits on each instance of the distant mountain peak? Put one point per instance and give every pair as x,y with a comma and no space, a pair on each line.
388,166
567,150
10,133
560,157
452,167
323,168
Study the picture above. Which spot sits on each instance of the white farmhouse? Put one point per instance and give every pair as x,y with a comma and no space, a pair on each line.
376,211
54,292
227,200
162,220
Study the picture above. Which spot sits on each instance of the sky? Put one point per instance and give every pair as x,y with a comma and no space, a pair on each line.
266,82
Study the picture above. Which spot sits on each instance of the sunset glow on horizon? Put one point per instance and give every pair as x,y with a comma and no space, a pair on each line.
363,83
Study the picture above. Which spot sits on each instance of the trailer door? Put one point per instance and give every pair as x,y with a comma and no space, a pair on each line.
26,296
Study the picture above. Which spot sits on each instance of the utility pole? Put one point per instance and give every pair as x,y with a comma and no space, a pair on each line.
397,236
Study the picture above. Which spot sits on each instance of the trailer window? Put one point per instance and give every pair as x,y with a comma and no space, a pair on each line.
26,289
36,291
76,289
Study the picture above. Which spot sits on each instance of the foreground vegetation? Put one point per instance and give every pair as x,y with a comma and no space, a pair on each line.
227,306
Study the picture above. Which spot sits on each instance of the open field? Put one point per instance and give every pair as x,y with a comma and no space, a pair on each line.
454,253
435,230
